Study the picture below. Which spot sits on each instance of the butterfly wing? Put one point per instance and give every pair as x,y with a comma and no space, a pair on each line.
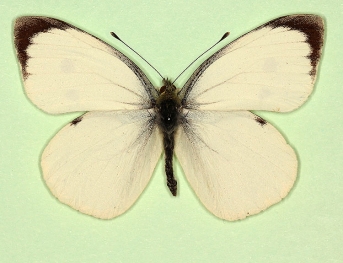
271,68
66,69
237,163
98,163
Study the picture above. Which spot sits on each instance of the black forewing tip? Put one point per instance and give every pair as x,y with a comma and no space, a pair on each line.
25,28
310,25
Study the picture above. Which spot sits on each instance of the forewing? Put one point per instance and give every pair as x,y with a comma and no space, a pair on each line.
66,69
237,163
100,163
271,68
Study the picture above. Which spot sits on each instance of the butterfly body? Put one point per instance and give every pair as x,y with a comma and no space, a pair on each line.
237,163
168,115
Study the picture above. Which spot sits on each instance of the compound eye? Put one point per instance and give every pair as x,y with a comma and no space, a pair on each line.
162,89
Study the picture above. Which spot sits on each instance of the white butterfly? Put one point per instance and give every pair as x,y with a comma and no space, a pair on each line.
236,162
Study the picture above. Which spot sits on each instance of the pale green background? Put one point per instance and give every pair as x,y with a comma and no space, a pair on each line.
305,227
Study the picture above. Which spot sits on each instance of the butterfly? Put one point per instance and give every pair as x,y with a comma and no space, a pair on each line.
236,162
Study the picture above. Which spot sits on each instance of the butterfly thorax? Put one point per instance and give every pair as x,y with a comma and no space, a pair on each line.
167,108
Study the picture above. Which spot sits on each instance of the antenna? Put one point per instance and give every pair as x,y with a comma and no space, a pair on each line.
116,36
223,37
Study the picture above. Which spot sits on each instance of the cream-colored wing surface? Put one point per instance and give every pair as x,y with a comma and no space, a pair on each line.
271,68
66,69
101,162
237,163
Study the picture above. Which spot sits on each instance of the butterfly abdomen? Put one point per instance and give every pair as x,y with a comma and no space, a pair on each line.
168,144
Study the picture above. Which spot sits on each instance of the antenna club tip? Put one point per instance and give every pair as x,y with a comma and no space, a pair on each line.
225,36
115,35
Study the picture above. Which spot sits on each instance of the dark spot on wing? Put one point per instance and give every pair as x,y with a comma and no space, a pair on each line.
76,121
260,121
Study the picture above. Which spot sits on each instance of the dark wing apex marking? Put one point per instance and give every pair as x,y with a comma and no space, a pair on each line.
312,26
25,28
